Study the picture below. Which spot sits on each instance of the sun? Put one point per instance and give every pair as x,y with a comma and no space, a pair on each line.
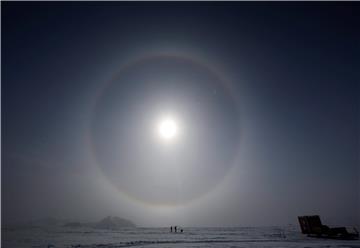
167,129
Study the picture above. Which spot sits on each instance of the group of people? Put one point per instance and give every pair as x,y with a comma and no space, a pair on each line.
176,229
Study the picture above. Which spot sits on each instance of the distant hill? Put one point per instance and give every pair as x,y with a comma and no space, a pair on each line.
113,223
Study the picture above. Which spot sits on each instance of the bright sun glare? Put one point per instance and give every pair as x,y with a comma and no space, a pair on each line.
167,129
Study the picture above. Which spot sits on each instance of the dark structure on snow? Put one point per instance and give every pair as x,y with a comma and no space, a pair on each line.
312,226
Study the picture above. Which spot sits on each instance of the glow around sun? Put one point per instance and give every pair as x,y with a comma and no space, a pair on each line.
167,129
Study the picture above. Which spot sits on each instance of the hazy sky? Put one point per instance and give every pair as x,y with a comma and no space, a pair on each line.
265,98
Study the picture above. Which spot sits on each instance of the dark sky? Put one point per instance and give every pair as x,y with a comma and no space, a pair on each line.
266,96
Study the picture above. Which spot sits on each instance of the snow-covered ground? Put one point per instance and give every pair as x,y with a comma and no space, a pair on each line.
161,237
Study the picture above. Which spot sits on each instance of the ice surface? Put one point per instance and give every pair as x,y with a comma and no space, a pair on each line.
161,237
